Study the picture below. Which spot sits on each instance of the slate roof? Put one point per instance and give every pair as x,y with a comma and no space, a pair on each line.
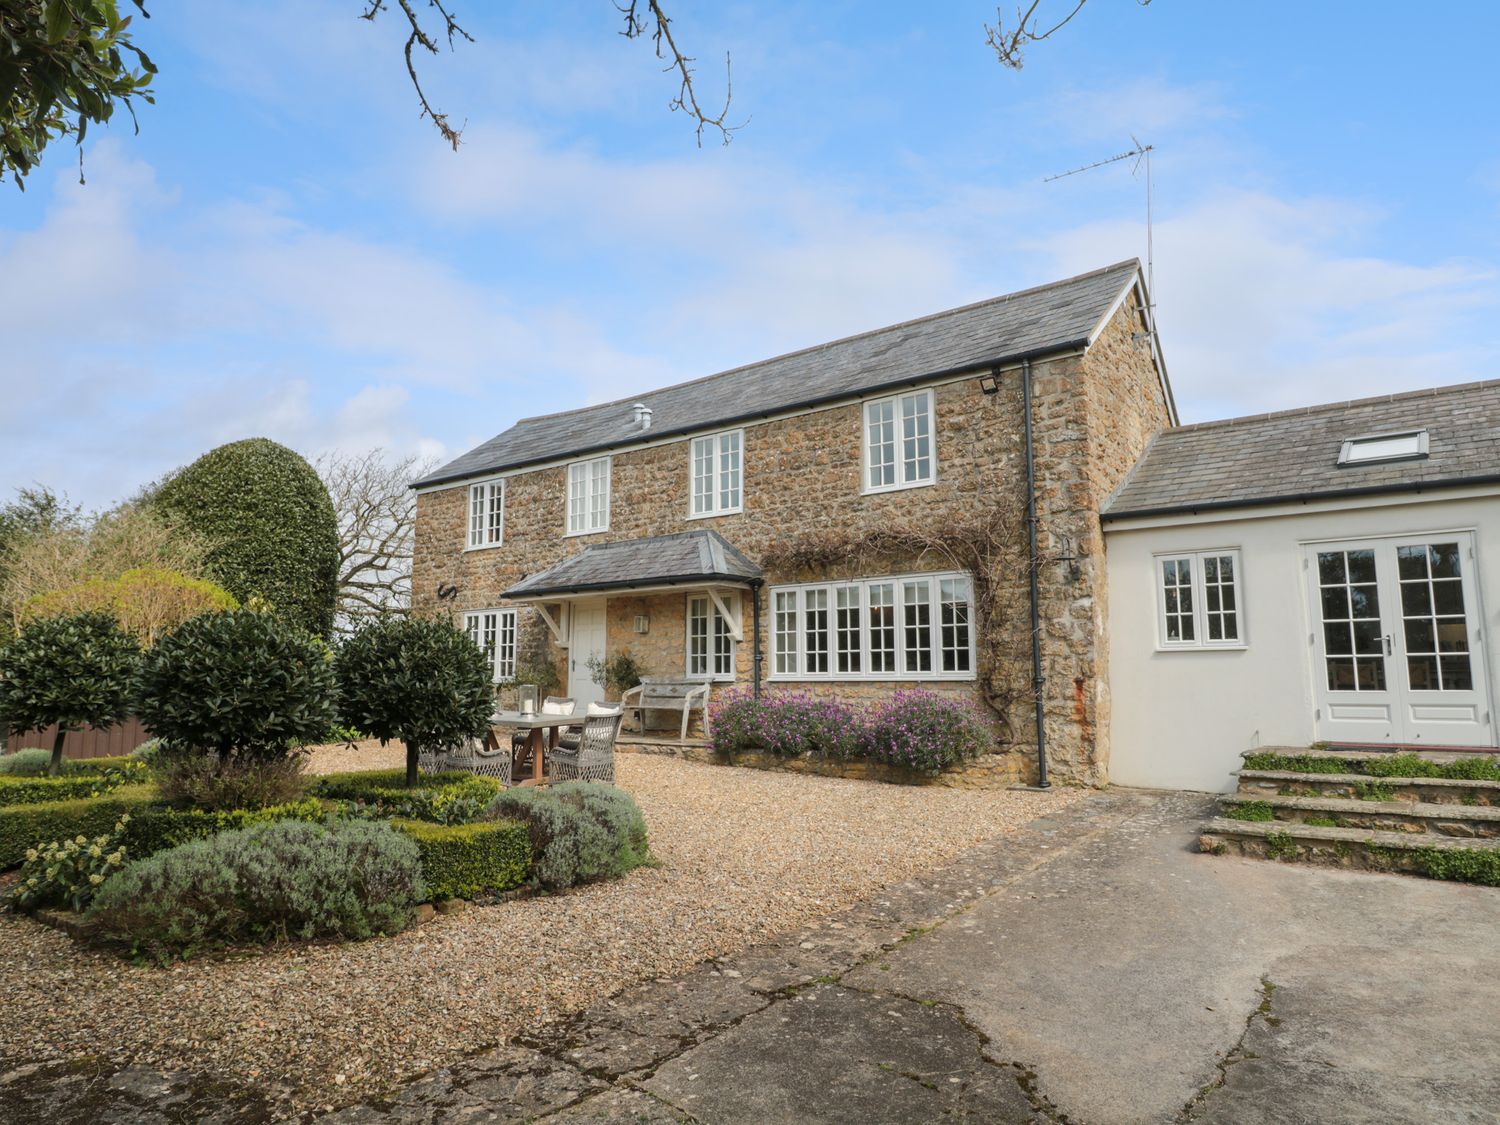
1293,454
1056,317
662,560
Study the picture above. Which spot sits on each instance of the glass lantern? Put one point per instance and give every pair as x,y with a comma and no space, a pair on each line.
528,699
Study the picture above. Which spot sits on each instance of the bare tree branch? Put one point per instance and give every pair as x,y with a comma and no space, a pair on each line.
419,37
1009,45
666,48
377,515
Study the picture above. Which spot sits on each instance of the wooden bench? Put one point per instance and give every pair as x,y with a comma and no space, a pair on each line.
657,694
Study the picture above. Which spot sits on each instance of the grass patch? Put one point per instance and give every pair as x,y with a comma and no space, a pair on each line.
1476,767
1374,791
1250,810
1322,821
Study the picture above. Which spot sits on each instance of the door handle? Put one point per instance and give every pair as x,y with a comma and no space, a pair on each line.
1387,639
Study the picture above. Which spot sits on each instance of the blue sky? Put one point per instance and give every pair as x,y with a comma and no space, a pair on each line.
285,250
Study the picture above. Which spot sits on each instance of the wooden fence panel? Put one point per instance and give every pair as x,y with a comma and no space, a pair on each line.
109,742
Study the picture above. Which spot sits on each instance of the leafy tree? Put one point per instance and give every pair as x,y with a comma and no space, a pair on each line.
146,601
271,530
419,680
72,670
242,685
64,64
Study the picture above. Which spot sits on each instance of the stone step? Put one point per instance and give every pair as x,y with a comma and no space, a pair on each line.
1413,817
1404,852
1363,753
1431,790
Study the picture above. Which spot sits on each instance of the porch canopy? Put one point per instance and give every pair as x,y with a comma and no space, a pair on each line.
689,559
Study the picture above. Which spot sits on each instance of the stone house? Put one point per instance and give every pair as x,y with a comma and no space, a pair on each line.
848,519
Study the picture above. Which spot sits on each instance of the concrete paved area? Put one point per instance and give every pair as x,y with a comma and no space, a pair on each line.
1091,969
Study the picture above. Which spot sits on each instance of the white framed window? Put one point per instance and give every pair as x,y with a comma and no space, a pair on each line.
494,631
1409,445
486,514
715,462
908,627
1198,599
710,646
899,449
588,496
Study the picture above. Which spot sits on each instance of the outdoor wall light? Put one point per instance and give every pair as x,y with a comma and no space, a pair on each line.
989,384
642,623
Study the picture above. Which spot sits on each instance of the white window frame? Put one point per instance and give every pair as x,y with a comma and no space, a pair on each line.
1361,450
720,445
901,478
485,527
1200,611
793,599
585,471
718,629
494,631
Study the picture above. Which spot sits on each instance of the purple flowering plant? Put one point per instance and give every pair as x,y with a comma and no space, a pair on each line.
924,731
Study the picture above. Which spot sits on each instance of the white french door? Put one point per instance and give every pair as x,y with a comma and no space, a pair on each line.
1396,638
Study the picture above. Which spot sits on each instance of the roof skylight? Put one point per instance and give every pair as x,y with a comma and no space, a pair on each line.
1406,445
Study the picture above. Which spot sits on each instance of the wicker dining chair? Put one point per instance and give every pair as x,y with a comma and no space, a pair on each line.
594,759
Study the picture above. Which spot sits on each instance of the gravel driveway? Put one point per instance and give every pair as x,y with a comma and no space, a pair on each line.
744,855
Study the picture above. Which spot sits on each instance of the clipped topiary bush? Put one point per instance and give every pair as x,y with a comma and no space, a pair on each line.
271,528
416,679
245,688
28,826
275,882
581,831
465,860
74,670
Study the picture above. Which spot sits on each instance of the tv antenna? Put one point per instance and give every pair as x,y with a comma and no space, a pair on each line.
1142,155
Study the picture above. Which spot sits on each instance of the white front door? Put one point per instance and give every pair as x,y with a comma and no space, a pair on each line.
587,641
1398,658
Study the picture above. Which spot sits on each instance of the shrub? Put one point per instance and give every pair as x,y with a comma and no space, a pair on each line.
207,781
1298,763
924,731
70,872
39,790
1465,865
1250,810
463,860
460,803
581,831
146,601
419,680
72,671
360,784
619,673
27,826
541,673
785,724
157,827
26,763
148,752
241,684
271,528
274,882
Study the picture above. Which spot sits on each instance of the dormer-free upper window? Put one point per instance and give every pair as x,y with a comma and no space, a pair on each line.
588,496
898,442
486,513
1407,445
716,473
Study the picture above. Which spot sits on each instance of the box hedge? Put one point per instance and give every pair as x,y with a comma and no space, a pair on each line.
19,789
359,784
462,860
154,829
26,826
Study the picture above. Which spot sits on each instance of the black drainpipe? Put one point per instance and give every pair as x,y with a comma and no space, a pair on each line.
755,588
1038,681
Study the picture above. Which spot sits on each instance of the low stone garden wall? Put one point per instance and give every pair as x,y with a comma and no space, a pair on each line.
990,771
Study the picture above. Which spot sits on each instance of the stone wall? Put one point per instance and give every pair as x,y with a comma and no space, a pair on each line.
802,476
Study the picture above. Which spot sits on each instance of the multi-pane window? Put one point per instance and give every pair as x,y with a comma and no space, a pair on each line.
1349,602
588,496
1198,599
486,513
710,653
848,629
898,441
1433,623
494,631
784,631
716,473
914,627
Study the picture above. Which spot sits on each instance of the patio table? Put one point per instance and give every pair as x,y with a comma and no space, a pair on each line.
534,726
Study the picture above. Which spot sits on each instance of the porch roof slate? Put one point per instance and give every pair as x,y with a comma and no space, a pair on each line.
1055,317
1293,454
662,560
